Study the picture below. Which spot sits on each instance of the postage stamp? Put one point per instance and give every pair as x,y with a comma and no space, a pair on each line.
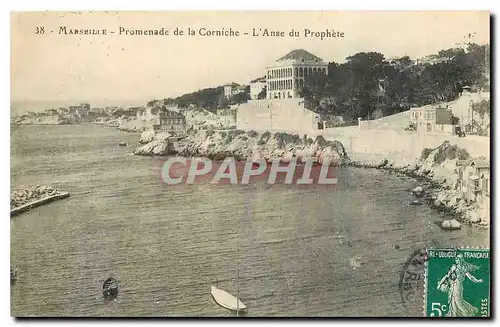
457,283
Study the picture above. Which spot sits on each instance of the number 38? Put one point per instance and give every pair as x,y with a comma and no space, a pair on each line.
39,30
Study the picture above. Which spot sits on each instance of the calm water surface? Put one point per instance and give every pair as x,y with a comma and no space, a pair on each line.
299,251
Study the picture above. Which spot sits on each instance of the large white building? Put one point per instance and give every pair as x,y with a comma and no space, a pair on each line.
287,76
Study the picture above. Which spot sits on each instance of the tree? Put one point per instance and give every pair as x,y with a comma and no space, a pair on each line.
239,98
366,83
262,94
223,102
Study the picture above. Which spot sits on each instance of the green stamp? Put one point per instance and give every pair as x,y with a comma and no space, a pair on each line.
457,283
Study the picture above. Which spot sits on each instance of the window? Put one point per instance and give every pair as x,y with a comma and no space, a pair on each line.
301,72
296,72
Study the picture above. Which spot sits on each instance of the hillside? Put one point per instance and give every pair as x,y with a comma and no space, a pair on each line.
458,107
367,85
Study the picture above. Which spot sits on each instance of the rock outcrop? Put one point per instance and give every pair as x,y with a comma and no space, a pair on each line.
450,224
243,145
147,136
437,178
418,191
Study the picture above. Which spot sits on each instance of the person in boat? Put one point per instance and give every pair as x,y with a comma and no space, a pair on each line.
13,275
110,288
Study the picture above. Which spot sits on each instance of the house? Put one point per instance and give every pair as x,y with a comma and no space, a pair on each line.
171,122
474,181
432,118
233,89
433,60
148,113
73,109
256,87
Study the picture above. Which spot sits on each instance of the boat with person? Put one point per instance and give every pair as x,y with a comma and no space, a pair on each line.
13,275
110,288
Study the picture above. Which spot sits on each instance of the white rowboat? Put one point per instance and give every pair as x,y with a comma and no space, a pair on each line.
227,300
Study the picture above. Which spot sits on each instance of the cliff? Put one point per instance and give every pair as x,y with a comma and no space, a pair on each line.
437,176
44,119
52,117
243,145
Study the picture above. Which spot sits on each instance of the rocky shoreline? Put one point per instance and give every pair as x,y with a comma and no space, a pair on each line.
434,172
241,145
437,184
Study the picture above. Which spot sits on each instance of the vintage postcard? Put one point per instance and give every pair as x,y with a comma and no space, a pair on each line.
250,164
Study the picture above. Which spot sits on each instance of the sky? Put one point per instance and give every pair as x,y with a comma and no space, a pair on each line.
97,68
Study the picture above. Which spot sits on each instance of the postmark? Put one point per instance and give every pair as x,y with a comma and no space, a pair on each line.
457,283
411,281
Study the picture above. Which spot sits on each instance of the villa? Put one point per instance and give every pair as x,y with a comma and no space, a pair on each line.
474,181
287,76
284,109
171,122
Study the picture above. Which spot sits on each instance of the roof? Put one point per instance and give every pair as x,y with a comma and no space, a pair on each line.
260,79
480,163
300,54
464,162
170,114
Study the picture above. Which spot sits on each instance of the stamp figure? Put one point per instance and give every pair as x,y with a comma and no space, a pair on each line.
458,283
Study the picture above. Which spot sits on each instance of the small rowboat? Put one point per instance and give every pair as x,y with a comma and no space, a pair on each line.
227,300
110,288
13,275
